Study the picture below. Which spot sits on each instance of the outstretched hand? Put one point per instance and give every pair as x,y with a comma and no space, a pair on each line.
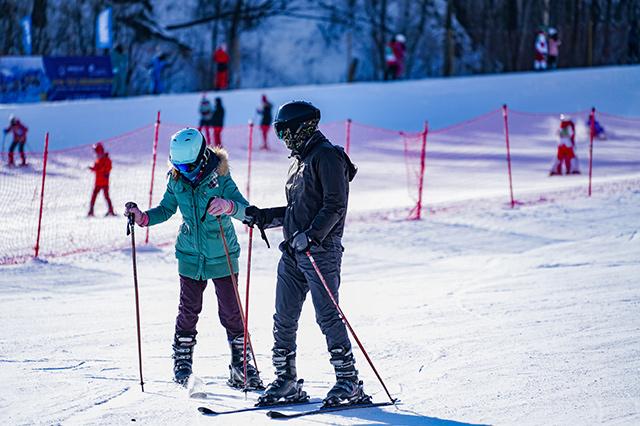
254,216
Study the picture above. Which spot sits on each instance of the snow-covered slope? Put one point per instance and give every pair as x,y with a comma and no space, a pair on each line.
401,105
477,314
481,315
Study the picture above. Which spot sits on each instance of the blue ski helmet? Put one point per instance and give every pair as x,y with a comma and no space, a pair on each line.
186,151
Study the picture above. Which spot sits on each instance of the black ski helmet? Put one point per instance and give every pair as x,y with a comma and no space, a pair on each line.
295,122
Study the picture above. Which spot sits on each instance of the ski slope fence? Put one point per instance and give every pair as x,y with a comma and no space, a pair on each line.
503,156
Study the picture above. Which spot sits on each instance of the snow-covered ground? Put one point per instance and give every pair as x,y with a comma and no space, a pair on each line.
478,314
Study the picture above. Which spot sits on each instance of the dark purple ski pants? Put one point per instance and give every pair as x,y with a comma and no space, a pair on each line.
191,305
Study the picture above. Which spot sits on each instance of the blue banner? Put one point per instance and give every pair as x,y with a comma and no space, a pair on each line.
78,77
104,34
22,79
25,23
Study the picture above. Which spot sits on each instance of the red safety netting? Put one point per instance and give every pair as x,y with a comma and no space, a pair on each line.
401,174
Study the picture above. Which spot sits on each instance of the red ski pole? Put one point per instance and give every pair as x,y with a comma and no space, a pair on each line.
344,319
235,289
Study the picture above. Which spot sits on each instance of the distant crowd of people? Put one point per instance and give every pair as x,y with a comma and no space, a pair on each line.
212,120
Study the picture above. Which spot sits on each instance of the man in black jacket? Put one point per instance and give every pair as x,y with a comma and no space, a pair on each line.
317,191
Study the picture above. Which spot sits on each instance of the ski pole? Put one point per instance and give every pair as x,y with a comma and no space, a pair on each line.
131,230
344,319
246,306
234,282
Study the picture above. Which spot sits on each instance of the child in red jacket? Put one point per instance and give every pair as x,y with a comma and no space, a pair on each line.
102,168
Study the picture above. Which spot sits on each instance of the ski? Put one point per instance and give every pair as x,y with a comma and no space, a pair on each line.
209,412
278,415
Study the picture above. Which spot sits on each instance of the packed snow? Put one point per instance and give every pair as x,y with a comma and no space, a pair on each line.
477,314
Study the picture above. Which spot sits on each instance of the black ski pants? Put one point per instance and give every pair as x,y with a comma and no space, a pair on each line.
296,277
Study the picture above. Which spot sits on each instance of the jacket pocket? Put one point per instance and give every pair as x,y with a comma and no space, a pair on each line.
185,241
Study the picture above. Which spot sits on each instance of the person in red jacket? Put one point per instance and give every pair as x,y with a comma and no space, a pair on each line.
221,59
19,131
102,168
566,154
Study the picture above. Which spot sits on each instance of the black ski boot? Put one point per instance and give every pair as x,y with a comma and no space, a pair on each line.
236,368
347,388
285,387
183,344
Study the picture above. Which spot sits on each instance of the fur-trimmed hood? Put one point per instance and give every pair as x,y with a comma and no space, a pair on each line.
223,156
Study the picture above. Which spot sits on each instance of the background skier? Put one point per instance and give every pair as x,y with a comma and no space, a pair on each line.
399,48
221,59
199,174
540,52
394,57
318,187
554,49
158,64
265,121
598,130
206,119
102,169
217,121
566,148
19,131
119,65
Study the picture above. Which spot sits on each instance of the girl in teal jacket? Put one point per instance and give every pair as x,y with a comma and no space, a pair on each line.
201,187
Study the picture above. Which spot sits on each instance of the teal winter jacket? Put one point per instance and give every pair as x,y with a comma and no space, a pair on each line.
199,247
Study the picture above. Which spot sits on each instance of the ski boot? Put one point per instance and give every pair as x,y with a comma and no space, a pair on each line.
347,388
183,344
285,387
236,368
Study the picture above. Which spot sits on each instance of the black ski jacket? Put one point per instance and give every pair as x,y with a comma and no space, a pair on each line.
217,119
317,191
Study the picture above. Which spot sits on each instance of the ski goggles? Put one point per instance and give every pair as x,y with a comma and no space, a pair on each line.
186,168
279,127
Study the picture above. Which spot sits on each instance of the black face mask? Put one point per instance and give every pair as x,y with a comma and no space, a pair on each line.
295,140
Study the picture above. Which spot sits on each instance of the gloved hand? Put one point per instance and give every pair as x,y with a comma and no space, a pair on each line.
219,206
254,216
131,208
300,242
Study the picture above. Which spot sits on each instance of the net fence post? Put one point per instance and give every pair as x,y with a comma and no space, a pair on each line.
423,155
153,169
45,156
505,115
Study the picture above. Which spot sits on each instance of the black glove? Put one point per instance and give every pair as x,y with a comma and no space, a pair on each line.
300,242
254,216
